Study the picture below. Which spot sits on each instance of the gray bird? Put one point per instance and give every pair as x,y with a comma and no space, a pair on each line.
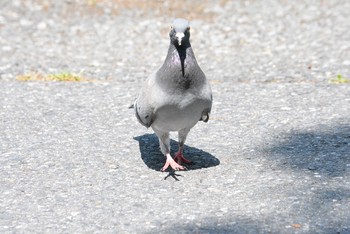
175,97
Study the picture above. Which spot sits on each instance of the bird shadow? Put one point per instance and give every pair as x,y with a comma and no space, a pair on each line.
154,159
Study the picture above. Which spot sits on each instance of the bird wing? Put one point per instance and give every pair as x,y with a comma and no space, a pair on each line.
144,104
207,93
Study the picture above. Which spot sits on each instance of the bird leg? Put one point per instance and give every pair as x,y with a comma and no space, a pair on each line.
164,142
179,157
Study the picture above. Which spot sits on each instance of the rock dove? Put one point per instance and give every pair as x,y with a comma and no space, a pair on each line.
175,97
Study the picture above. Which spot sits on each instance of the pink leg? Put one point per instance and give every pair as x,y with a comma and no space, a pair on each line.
170,162
179,157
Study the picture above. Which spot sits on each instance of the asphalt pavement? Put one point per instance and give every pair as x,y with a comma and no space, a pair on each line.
273,158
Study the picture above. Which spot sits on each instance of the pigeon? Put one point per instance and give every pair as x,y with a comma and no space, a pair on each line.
175,97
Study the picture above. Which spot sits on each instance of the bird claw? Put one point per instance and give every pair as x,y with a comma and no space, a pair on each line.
174,165
175,168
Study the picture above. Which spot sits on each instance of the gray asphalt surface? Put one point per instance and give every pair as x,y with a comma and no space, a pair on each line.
274,158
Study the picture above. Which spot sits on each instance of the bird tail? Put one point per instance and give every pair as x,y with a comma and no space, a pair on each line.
132,105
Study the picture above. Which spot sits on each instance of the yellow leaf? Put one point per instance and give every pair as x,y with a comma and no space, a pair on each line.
296,225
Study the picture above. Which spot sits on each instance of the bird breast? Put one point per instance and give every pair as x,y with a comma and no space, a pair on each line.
177,116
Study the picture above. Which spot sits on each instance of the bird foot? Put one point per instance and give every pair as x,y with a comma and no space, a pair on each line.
174,165
179,158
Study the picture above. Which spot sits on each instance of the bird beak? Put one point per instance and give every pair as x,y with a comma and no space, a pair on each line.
179,37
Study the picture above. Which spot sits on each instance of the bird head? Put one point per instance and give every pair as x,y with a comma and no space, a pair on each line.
180,32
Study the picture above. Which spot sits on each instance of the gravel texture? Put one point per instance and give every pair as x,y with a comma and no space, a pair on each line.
274,158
